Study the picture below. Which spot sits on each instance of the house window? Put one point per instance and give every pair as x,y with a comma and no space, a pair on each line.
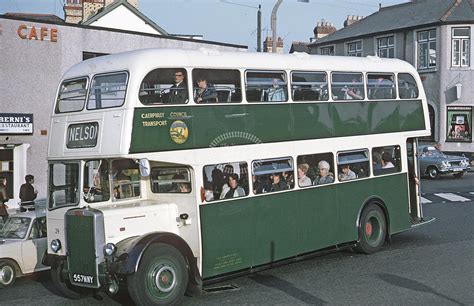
426,49
327,50
460,47
354,48
386,46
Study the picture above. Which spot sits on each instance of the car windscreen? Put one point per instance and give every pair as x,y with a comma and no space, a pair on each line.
15,228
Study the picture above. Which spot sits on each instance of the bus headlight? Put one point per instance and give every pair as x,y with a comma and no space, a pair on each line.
110,249
55,245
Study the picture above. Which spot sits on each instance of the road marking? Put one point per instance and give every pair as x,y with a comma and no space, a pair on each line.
452,197
424,200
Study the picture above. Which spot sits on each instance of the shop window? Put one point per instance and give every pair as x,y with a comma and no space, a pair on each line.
315,169
164,86
266,86
459,123
272,175
225,181
309,86
170,180
353,165
386,160
216,85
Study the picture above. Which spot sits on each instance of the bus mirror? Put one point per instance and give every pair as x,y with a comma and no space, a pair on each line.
144,167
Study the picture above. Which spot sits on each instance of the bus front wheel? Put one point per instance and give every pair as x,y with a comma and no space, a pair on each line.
372,229
161,278
63,286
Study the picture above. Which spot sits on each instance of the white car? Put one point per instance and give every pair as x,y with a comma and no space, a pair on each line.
23,243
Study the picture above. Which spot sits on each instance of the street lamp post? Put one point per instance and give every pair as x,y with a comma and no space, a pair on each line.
274,25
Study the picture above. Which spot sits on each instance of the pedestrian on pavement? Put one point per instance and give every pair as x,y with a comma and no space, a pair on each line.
3,199
27,192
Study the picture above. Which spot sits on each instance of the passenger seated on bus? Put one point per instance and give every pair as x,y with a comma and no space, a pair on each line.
289,179
178,93
387,161
257,185
346,174
377,160
278,183
184,188
232,188
325,176
217,182
303,180
206,92
274,93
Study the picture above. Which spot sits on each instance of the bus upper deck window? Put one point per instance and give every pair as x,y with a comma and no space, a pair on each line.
347,86
266,86
381,86
309,86
164,86
407,88
72,96
216,85
108,90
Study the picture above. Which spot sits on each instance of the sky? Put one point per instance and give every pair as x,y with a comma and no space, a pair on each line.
230,21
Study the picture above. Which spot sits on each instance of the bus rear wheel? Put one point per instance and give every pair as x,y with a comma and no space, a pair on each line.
161,278
372,229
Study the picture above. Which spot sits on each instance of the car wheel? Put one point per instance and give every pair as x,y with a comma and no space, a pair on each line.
7,274
162,277
372,229
433,173
458,175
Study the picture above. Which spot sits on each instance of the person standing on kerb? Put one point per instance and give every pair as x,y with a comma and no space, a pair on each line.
27,192
3,199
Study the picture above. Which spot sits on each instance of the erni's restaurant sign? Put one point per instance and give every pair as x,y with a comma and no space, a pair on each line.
16,123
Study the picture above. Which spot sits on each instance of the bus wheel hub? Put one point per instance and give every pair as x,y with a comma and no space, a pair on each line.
165,278
368,229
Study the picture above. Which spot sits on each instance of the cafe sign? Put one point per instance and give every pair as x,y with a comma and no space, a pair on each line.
19,124
83,135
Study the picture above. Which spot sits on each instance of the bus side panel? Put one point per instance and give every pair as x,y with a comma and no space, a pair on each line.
392,189
350,118
227,236
270,123
312,121
383,117
317,218
276,227
411,116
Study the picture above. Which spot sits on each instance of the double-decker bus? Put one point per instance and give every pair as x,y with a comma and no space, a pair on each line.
170,169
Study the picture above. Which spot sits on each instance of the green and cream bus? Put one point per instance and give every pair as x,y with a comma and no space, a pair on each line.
157,191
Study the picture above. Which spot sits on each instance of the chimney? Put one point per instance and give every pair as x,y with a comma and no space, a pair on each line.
77,11
323,29
352,19
267,45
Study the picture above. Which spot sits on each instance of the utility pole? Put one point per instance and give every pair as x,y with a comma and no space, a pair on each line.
274,25
259,29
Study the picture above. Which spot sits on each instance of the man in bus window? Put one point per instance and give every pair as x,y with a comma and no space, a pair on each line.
387,161
179,91
325,176
347,174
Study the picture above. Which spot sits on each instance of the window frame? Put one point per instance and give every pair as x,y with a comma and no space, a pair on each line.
126,72
461,39
186,81
283,72
308,72
88,82
268,172
214,200
366,160
398,85
172,167
394,85
397,162
427,42
330,47
195,71
356,52
386,47
348,72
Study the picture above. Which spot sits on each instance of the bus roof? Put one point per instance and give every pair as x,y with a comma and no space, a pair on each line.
148,59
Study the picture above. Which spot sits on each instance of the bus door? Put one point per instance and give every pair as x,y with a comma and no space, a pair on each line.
413,179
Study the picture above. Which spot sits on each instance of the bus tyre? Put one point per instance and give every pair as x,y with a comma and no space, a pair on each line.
372,229
63,286
7,274
433,173
161,278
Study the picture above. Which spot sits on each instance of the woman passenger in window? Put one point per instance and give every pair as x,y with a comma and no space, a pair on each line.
325,176
278,183
232,189
276,93
206,92
303,180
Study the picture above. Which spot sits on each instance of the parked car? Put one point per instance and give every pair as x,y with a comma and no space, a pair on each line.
433,163
23,243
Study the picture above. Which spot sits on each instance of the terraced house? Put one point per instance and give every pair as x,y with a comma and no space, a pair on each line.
435,36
